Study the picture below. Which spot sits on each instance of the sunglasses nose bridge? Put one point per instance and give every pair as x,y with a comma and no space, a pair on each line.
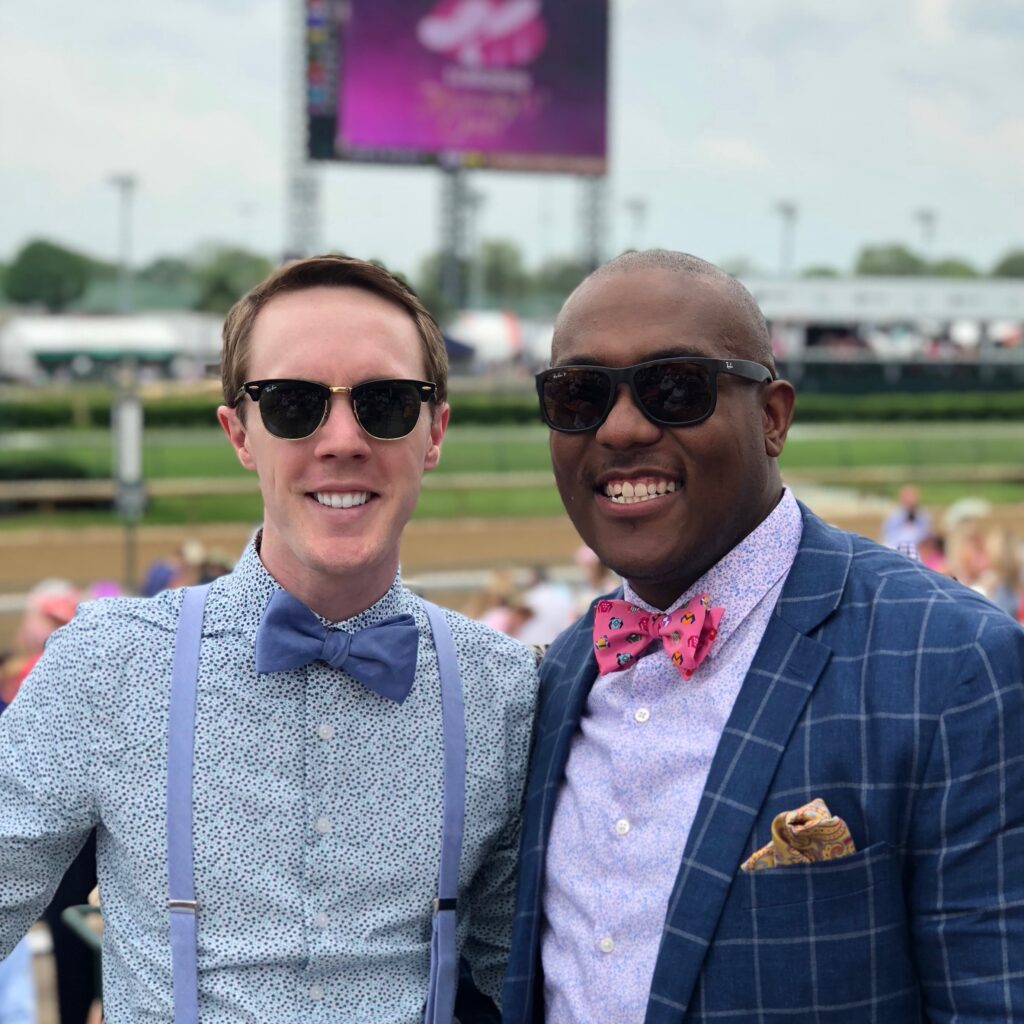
340,426
625,423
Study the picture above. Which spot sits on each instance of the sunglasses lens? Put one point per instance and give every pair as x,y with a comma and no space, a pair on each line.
292,409
574,398
676,392
387,409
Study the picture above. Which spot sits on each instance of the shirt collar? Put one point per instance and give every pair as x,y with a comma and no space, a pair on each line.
741,578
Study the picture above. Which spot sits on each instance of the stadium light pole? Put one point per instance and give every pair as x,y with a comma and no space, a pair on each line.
927,218
787,211
637,210
125,185
127,412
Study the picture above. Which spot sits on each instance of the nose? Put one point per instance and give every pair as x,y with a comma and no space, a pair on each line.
626,426
340,435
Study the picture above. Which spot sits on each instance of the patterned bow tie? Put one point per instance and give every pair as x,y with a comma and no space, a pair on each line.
381,657
622,631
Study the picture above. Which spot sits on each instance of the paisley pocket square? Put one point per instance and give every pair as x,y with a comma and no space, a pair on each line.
808,834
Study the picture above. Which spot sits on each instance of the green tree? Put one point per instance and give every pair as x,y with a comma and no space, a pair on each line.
819,270
891,260
167,271
1011,265
46,274
429,286
558,275
504,277
224,274
952,266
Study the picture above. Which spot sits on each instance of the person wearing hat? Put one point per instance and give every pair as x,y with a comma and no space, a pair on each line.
305,780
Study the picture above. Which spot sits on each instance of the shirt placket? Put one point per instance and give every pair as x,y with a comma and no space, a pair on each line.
322,830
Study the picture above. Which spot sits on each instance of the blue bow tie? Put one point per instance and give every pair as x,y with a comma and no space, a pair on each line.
381,657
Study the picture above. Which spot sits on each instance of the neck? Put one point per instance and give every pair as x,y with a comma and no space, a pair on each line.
333,596
663,591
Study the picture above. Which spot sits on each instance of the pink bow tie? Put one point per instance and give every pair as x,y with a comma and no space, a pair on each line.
622,631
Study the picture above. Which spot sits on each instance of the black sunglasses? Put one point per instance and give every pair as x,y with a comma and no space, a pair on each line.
293,409
676,392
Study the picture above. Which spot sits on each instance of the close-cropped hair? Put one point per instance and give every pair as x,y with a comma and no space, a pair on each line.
327,271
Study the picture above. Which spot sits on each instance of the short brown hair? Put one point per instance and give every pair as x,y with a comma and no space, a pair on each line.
329,271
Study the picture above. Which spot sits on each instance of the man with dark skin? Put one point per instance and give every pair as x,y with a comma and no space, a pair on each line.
777,776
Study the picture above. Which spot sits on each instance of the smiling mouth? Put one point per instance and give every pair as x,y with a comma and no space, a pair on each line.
342,499
632,491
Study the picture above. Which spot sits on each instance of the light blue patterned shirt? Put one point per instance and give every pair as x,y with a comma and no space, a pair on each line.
318,809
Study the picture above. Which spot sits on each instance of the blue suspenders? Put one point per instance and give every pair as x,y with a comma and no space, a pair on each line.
182,904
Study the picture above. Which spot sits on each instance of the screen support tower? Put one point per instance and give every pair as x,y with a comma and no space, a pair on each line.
593,220
456,212
302,183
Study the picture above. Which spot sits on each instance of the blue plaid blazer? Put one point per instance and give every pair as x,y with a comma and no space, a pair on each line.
897,696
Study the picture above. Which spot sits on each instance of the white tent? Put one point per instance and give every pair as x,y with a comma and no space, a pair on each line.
30,343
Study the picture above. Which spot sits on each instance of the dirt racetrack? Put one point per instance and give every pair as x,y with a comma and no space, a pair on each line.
87,554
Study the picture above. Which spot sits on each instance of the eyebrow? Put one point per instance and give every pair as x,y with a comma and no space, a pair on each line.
675,352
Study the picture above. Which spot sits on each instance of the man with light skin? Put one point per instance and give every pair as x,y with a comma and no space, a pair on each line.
778,774
321,760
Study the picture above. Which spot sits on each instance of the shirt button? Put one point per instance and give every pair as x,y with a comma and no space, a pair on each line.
323,825
607,944
320,920
316,993
325,731
641,714
622,826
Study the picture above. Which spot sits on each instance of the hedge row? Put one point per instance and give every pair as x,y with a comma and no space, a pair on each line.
93,409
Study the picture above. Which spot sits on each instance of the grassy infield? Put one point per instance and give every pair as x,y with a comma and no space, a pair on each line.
204,454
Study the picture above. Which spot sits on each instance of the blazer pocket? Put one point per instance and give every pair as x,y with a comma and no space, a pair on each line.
832,936
870,868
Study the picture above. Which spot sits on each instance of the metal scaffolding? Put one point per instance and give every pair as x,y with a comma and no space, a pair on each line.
593,221
302,199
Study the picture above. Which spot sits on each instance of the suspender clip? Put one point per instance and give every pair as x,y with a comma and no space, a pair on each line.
182,906
444,904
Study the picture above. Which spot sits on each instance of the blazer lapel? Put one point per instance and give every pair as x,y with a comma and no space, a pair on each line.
783,674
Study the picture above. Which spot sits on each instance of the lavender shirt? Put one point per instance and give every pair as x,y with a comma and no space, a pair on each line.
634,778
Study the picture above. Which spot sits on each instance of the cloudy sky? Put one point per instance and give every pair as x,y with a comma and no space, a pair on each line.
861,113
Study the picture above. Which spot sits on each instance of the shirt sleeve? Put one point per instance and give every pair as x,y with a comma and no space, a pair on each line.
966,887
46,804
493,892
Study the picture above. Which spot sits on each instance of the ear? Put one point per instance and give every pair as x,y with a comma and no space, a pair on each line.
232,425
438,426
777,415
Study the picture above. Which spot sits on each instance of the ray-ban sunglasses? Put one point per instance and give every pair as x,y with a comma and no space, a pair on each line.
294,409
675,392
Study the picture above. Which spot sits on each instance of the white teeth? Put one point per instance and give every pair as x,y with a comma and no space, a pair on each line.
627,493
621,499
349,499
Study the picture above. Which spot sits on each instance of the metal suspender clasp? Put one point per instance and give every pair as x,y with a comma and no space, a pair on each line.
442,904
182,906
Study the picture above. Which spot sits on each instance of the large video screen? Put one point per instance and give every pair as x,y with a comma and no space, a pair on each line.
514,84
